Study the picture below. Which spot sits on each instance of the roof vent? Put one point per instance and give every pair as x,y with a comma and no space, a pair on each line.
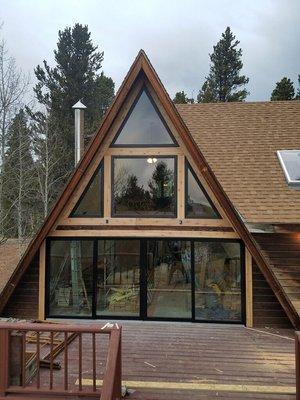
290,163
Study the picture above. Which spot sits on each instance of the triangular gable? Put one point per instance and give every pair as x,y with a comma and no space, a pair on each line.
144,125
142,65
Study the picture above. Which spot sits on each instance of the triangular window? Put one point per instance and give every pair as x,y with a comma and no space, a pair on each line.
144,126
90,203
198,204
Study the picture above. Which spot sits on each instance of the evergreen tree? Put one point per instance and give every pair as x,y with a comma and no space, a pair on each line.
298,91
76,76
181,98
224,82
284,90
18,178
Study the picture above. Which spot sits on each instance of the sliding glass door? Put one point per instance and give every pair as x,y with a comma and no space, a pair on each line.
118,278
182,279
218,283
169,279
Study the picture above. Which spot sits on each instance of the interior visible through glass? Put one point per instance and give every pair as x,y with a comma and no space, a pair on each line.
91,203
118,277
197,202
144,186
71,277
169,279
145,278
144,126
217,281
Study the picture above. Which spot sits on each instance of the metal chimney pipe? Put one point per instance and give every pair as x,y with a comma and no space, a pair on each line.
79,127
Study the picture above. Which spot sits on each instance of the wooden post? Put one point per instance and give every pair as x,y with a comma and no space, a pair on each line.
249,289
118,375
4,361
181,188
42,282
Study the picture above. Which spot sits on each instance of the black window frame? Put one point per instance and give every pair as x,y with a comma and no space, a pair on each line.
129,215
100,169
113,143
143,279
188,167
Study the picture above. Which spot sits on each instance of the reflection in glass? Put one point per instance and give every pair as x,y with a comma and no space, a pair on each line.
144,126
217,281
144,188
71,277
91,203
169,278
118,277
198,204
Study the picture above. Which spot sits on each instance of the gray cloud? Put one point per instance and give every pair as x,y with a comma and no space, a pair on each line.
177,36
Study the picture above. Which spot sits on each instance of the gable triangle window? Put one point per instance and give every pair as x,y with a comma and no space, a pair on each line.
198,203
90,203
144,126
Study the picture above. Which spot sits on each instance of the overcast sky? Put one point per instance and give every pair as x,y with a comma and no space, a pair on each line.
176,35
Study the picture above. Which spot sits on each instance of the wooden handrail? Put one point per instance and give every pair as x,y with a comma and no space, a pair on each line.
111,388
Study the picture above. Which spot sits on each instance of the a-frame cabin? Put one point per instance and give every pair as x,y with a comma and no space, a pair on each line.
144,229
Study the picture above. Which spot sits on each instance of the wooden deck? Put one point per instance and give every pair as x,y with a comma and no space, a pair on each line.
163,360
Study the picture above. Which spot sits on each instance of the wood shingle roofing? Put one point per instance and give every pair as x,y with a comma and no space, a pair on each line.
239,141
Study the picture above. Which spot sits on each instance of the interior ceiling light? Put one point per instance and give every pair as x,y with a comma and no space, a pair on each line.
151,160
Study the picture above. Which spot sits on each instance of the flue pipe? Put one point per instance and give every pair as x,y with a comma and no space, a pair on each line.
79,127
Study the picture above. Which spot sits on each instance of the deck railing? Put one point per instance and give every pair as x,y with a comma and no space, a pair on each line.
39,384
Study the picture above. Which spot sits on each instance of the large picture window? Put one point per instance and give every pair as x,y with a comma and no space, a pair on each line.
144,186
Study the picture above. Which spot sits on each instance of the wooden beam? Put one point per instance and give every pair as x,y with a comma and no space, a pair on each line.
42,281
107,188
181,188
249,289
143,233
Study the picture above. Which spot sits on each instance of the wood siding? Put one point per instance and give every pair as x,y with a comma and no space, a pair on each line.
267,310
24,301
282,250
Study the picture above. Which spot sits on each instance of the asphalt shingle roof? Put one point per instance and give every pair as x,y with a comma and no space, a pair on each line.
239,141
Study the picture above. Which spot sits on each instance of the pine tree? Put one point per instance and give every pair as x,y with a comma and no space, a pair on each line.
76,76
298,91
181,98
224,82
284,90
18,178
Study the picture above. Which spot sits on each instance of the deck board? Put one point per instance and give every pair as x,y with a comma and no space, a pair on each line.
214,355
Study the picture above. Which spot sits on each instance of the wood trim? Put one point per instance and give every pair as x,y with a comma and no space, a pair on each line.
42,281
249,289
144,233
181,188
145,221
107,188
142,151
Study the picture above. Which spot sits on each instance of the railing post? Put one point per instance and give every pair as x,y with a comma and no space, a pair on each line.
4,361
297,362
118,375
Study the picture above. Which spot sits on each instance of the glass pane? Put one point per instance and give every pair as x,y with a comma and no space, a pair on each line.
144,126
71,277
118,282
198,205
169,278
217,281
91,203
290,160
144,187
